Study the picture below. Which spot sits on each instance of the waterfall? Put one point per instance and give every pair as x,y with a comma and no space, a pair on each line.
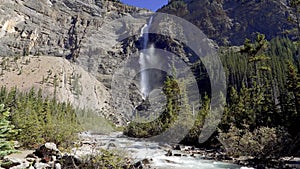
143,61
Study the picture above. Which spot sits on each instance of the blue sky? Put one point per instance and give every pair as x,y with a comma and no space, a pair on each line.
149,4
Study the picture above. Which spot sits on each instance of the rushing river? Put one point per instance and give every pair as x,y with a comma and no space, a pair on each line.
155,152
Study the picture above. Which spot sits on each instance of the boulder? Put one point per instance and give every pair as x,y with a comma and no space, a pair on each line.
31,160
177,155
46,152
111,145
21,166
41,166
58,166
9,163
16,159
31,155
142,164
169,153
177,147
146,161
70,161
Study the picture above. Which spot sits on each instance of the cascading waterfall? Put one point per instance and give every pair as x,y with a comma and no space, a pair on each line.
143,61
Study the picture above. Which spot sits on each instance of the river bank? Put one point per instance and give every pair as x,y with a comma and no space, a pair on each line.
139,153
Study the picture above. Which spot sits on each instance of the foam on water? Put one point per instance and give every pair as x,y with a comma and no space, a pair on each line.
139,150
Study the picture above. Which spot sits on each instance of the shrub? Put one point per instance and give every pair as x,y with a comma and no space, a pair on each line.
262,143
104,159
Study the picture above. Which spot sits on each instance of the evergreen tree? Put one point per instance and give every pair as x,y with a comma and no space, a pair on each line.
287,117
7,132
293,84
260,87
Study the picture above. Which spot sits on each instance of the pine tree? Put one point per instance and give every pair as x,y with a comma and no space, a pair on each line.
288,115
256,57
260,87
7,132
293,84
172,92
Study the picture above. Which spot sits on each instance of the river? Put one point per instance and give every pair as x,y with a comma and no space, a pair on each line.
154,152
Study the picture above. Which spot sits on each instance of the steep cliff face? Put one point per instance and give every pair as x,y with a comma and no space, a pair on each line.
52,27
229,22
70,29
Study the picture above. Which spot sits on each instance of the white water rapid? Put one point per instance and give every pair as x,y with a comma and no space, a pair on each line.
155,152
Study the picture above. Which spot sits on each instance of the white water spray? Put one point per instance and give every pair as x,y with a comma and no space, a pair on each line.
143,61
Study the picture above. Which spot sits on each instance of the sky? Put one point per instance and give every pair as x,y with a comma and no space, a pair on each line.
153,5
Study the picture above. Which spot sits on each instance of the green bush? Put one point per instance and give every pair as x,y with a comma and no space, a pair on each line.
105,160
262,143
7,132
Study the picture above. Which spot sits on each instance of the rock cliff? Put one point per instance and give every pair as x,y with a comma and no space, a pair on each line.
70,41
229,22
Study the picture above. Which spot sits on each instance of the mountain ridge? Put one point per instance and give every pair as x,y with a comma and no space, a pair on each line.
230,22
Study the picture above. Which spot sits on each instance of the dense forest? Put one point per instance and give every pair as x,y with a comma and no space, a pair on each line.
261,115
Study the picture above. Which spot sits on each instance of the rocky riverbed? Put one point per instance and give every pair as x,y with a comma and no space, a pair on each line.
139,153
164,156
149,154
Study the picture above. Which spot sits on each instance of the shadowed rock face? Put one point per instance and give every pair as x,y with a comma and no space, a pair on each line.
229,22
49,27
74,29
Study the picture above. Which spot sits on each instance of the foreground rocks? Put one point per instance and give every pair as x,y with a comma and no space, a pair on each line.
219,155
48,156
